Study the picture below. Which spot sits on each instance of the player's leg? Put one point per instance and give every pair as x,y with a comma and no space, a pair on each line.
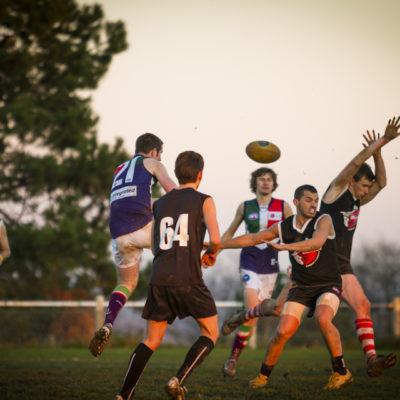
195,356
252,287
326,309
127,251
267,308
141,356
355,297
289,322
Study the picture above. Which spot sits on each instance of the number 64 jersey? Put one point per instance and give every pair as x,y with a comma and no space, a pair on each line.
178,234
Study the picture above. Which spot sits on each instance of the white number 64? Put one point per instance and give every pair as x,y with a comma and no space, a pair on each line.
168,235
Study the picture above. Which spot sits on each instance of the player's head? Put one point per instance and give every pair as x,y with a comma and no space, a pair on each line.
147,143
187,166
306,200
366,172
263,179
362,181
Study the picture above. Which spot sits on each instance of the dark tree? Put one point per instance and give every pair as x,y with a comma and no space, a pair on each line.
55,176
377,268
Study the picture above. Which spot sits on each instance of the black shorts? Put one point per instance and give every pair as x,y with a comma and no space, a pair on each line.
308,295
165,303
345,267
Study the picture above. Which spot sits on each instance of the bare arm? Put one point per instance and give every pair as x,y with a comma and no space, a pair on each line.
210,219
237,220
340,183
4,245
323,229
251,239
287,210
380,171
158,169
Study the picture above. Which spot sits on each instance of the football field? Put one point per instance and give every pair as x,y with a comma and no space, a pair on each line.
72,373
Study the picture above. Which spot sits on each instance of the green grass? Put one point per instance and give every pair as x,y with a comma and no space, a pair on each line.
61,374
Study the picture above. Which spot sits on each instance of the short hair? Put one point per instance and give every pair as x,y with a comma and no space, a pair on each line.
187,166
299,192
364,171
262,171
147,142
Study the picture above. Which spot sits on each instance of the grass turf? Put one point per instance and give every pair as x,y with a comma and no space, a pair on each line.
301,373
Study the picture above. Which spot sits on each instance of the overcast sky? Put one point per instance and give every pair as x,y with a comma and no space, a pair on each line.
310,76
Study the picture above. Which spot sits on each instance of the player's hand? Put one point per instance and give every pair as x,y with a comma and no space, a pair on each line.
208,259
392,129
371,138
275,246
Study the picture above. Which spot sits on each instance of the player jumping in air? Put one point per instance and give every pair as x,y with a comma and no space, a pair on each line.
130,224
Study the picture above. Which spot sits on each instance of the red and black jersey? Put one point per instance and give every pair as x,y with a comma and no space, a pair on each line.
178,235
344,212
314,268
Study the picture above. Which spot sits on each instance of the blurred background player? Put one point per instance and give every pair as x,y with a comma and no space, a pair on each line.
309,236
258,264
176,288
5,251
130,224
355,186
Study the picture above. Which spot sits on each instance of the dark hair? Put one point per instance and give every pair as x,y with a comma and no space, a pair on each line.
262,171
299,192
147,142
364,171
187,166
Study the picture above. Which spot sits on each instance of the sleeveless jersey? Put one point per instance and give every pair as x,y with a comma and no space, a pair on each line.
344,212
130,197
314,268
178,236
261,258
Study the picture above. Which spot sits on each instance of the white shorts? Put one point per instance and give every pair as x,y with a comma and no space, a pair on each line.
263,283
127,249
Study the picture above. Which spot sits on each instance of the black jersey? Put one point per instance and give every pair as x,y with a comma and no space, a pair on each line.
178,236
344,212
314,268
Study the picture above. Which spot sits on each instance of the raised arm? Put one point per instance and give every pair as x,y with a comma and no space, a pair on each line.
341,182
158,169
380,171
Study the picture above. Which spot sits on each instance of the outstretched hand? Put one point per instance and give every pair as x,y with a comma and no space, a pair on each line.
392,129
371,138
274,245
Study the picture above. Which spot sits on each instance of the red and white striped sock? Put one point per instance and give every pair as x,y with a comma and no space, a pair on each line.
254,312
365,334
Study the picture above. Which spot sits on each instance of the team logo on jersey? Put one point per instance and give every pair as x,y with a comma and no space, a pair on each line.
253,216
350,218
275,215
245,277
306,258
